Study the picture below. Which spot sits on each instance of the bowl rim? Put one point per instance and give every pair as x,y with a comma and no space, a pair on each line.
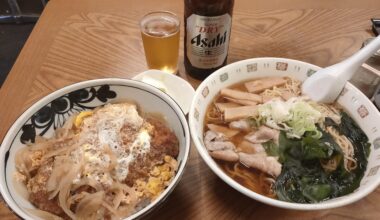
187,87
24,116
348,199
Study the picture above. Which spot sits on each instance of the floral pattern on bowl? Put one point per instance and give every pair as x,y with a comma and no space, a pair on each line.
50,113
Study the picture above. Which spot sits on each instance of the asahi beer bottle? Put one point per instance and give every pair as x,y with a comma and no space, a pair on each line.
207,35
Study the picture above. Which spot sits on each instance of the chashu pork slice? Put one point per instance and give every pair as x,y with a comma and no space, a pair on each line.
262,162
263,135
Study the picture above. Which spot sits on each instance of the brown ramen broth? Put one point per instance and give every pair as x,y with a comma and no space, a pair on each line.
268,138
251,178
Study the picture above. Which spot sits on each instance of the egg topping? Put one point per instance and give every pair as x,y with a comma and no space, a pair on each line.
113,133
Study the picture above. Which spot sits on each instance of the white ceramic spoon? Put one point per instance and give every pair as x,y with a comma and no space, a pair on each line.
326,84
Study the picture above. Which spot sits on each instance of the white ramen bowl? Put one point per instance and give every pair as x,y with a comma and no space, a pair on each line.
50,112
353,101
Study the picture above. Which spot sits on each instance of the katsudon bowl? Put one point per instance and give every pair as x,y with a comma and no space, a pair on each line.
355,103
49,114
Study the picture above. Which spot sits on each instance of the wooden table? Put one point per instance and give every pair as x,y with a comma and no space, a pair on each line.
88,39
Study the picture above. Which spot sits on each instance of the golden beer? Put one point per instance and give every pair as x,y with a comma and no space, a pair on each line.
160,35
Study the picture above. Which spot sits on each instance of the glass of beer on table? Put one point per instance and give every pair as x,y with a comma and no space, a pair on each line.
160,35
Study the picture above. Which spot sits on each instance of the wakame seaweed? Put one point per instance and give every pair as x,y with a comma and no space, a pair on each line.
303,179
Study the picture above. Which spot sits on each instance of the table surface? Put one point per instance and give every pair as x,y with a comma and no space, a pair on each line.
79,40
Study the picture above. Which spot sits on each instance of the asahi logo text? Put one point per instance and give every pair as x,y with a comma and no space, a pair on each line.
205,40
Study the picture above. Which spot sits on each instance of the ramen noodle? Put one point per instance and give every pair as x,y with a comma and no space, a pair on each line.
268,137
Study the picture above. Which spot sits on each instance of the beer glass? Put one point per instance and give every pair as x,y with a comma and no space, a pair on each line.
160,35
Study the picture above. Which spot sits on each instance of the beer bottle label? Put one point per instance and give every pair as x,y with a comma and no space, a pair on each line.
207,40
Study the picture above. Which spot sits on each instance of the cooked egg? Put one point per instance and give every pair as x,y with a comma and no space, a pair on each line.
159,178
140,146
101,129
79,119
